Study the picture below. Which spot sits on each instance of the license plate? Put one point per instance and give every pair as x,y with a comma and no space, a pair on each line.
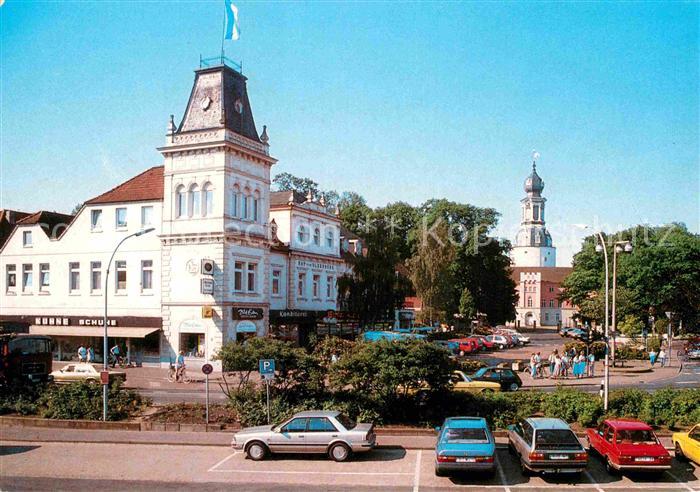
466,460
644,458
558,456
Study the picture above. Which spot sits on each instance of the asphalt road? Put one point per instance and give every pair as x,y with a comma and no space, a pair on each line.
73,466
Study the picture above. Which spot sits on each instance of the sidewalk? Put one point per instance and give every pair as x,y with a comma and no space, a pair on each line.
634,372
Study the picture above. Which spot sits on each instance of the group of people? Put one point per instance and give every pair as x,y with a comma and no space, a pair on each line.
87,355
562,365
661,357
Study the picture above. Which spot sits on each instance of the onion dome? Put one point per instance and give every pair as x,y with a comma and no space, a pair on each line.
533,183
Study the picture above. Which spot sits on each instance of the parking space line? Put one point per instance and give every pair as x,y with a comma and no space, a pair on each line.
299,472
214,468
416,471
501,475
593,482
678,480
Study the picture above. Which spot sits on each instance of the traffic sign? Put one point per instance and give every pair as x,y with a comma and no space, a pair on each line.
268,377
207,369
104,377
266,366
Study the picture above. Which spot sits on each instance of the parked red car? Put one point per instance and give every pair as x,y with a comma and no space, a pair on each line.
466,345
487,343
628,445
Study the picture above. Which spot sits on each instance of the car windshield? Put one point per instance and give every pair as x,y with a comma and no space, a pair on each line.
465,435
556,438
636,437
480,372
346,421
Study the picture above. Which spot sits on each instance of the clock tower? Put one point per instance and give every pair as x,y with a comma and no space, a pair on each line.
215,218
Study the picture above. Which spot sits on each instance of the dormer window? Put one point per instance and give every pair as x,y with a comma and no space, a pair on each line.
27,239
96,220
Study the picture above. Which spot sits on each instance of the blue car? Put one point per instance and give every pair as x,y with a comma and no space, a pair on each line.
451,347
464,444
374,336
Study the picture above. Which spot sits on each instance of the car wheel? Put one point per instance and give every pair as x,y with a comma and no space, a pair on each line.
256,451
513,386
487,390
439,472
339,452
91,381
524,469
679,452
501,347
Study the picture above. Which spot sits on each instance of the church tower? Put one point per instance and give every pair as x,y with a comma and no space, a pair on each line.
215,238
533,243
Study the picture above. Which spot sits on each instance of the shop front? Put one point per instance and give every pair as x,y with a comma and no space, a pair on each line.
297,325
138,337
247,323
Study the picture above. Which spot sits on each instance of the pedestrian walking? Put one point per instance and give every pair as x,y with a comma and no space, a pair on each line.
539,369
581,365
82,354
591,365
114,351
557,366
552,362
652,357
662,358
533,366
565,365
90,354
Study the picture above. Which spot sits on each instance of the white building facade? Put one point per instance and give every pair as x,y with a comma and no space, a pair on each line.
218,263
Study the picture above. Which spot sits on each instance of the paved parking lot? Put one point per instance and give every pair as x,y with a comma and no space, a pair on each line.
61,466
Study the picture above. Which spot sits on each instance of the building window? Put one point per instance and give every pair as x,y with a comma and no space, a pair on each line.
120,267
193,344
73,276
543,303
536,212
208,196
558,318
27,239
529,302
329,287
552,303
146,275
546,316
317,236
195,201
96,220
238,276
330,238
256,208
303,234
146,215
301,285
236,202
316,281
120,216
276,277
95,276
245,211
252,270
27,277
44,276
180,202
11,277
551,289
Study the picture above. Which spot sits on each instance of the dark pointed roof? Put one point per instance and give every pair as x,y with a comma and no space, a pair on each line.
280,198
533,183
52,223
145,187
228,105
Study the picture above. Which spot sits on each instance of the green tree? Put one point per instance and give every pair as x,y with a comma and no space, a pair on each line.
630,326
289,182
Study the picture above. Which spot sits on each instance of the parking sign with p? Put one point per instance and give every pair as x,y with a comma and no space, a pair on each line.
267,368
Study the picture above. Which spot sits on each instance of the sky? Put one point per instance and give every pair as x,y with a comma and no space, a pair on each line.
397,101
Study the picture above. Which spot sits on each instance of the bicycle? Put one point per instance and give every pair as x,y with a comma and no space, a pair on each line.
174,377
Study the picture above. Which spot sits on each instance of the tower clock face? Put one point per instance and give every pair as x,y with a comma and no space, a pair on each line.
205,103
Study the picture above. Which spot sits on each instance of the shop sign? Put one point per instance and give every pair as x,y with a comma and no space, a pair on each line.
291,315
52,320
246,327
316,264
96,322
247,313
206,286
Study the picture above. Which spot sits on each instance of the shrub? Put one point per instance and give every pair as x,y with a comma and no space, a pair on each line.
573,406
627,402
470,366
84,401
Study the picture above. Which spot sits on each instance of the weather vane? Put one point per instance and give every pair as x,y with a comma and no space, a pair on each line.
535,156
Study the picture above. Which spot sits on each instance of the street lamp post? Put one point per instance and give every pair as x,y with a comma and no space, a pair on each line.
606,379
105,385
619,247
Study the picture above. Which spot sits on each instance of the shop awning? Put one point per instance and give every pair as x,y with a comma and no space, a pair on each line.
91,331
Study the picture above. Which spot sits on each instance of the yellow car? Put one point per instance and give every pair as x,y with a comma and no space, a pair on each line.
84,372
687,444
462,382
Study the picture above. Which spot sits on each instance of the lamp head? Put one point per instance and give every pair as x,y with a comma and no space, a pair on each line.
628,248
145,231
599,248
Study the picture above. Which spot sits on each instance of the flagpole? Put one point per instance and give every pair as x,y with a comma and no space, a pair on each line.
223,35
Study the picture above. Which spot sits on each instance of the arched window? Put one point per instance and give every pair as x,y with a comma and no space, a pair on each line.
245,212
256,206
180,203
195,201
317,236
529,302
208,199
236,202
303,234
330,238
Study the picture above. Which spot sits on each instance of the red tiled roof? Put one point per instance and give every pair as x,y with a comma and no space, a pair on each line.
147,186
52,223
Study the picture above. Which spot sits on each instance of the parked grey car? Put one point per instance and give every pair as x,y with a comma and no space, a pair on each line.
547,446
322,432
